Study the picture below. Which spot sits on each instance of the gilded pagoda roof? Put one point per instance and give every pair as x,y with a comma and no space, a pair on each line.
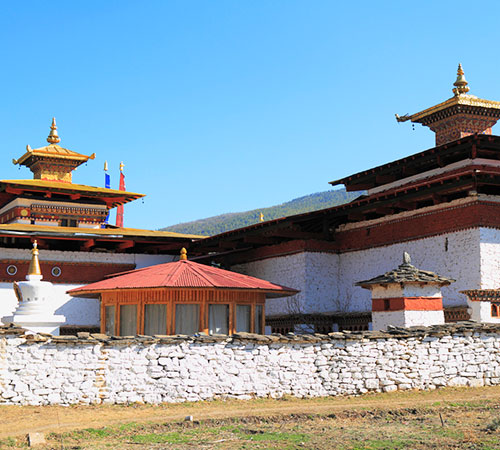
406,273
53,150
457,100
460,98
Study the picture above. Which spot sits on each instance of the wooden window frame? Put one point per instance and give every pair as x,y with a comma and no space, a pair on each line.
174,318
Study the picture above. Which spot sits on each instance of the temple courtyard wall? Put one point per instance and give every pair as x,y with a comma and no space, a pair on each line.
78,311
327,280
92,369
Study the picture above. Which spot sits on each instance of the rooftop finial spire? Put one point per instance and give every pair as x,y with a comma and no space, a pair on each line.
34,268
183,256
461,83
53,137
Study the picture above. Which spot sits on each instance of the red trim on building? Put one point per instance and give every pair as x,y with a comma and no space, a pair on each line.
70,273
407,304
446,220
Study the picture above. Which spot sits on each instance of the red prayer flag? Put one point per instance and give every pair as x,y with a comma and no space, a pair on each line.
119,209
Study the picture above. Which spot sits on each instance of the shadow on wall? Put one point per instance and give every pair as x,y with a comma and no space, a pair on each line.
80,311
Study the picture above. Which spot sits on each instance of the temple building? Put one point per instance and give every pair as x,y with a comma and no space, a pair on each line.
182,297
441,205
68,222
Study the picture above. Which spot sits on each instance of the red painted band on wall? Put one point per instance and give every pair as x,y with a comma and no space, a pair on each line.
70,272
407,304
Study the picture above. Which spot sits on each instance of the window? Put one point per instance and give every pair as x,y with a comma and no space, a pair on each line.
73,223
64,222
187,318
155,319
258,319
109,312
128,320
218,319
243,318
495,310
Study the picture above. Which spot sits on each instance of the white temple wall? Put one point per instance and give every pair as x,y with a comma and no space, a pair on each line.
288,271
327,281
78,311
490,258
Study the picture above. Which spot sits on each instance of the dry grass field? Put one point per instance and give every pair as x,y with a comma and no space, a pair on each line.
444,419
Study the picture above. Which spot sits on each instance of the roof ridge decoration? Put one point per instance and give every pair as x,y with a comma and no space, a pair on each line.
459,116
461,84
53,137
406,273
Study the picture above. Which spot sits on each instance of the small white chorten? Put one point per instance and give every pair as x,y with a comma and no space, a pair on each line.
34,311
406,297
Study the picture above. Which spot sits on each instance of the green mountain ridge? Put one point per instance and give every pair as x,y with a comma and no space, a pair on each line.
230,221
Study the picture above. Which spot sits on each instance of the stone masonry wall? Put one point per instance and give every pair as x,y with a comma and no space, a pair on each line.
91,369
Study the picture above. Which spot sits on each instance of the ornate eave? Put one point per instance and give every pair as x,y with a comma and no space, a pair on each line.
476,105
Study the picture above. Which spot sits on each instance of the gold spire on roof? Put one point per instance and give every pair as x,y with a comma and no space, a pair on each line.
261,217
34,268
105,166
183,256
121,166
53,137
461,83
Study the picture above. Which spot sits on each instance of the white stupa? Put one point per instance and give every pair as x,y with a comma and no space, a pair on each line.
34,310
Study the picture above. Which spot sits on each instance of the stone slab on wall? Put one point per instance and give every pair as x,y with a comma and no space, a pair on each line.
92,369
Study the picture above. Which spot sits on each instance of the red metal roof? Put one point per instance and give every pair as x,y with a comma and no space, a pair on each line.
183,274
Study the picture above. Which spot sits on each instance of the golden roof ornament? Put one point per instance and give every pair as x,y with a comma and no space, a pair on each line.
261,217
34,268
105,166
121,166
461,83
53,137
183,256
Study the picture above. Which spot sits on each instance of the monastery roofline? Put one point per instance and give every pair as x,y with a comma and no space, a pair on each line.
67,187
75,232
415,159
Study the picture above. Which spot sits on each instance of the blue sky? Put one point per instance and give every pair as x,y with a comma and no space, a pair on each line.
225,106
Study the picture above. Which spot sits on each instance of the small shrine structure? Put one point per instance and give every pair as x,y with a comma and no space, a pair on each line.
406,297
484,305
182,297
459,116
35,311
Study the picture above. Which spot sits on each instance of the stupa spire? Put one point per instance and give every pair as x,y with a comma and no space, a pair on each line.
183,256
34,268
461,83
53,137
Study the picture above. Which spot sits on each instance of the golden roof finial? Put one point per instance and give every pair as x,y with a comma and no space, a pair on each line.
183,256
53,137
34,268
461,83
121,166
261,217
105,166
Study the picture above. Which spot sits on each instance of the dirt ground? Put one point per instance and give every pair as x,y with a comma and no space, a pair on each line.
19,420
